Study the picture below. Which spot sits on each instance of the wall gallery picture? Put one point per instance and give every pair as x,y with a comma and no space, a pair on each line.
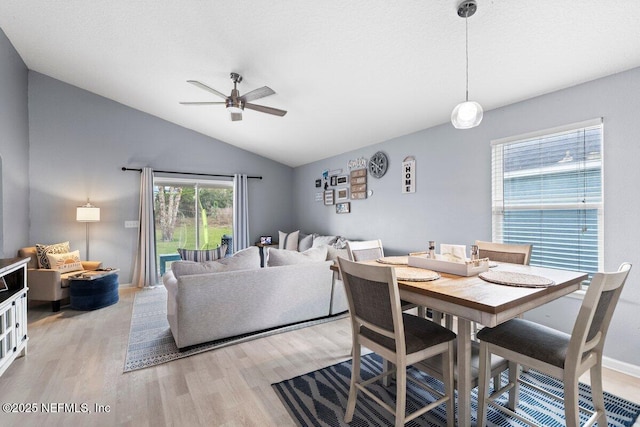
328,197
343,208
342,194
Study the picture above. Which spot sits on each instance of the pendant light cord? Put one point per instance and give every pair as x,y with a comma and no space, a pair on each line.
466,32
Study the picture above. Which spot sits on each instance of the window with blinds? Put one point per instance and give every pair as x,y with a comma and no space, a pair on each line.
547,191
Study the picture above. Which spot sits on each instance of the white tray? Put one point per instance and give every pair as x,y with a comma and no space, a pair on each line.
443,266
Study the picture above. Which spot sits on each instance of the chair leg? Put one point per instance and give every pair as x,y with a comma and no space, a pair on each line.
597,393
449,386
401,394
571,411
353,390
514,392
483,383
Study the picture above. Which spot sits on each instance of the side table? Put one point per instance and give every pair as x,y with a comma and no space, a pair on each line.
263,260
92,290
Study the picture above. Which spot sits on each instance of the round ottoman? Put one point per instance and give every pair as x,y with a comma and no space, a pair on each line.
93,294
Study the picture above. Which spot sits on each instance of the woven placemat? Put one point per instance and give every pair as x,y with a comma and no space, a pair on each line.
413,274
394,260
511,278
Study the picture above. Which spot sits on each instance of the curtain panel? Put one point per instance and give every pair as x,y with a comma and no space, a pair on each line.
145,269
240,212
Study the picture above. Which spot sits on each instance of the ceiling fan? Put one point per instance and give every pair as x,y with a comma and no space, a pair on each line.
236,103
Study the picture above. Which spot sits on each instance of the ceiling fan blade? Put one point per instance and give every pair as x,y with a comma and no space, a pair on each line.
207,88
236,117
202,103
261,92
263,109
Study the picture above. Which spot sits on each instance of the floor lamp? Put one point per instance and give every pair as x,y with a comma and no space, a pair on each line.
87,213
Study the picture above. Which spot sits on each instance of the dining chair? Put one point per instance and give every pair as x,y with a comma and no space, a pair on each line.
555,353
365,250
378,323
502,252
369,250
505,252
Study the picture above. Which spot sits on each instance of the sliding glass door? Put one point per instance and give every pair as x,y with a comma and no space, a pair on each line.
191,214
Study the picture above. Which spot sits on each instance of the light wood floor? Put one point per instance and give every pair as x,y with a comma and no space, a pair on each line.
77,358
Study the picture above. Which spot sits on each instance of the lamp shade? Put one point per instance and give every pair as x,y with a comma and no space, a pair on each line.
466,115
87,213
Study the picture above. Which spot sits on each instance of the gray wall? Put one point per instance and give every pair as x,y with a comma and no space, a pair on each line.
78,143
453,199
14,150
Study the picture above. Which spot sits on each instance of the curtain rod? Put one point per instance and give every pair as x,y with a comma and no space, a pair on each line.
189,173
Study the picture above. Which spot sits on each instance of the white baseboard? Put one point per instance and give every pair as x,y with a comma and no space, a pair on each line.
624,367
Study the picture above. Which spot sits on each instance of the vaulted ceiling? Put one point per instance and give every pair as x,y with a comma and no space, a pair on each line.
349,73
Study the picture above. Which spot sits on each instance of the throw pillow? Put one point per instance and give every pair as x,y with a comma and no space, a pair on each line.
341,243
246,259
279,257
203,254
186,268
288,241
43,250
305,242
65,262
323,240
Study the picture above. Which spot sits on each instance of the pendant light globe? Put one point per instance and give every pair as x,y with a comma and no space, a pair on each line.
466,115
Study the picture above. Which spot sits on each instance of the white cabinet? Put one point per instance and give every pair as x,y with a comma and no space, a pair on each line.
13,310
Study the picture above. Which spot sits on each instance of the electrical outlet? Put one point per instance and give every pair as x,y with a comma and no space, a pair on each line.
131,224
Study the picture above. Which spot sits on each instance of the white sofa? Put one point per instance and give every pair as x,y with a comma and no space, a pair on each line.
235,296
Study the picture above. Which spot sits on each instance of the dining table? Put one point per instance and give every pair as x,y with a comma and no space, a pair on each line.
473,299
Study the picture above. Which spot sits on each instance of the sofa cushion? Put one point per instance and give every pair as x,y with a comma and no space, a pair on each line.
203,254
186,268
279,257
323,240
246,259
288,241
305,242
43,250
65,263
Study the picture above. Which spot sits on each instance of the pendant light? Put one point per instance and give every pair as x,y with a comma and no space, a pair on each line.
467,114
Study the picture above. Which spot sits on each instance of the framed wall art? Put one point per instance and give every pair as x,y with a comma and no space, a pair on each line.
342,194
358,182
328,197
343,208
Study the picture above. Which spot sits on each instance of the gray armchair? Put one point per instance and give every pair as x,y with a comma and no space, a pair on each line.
47,284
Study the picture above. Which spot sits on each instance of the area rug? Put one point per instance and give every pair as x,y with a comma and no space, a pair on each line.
151,342
319,398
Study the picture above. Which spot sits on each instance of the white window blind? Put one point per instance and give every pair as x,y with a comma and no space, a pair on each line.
547,191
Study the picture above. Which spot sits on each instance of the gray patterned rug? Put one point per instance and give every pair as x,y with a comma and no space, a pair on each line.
319,398
151,342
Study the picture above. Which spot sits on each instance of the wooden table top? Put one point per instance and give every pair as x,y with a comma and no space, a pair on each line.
474,298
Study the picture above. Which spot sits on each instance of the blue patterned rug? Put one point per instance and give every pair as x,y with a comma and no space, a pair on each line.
319,398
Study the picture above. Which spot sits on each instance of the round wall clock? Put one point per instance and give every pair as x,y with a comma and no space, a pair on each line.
378,164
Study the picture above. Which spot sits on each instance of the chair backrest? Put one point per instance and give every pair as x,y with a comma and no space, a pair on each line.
31,253
594,317
505,252
365,250
374,299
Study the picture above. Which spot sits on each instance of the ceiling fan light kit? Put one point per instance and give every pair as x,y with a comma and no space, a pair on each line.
235,103
468,114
